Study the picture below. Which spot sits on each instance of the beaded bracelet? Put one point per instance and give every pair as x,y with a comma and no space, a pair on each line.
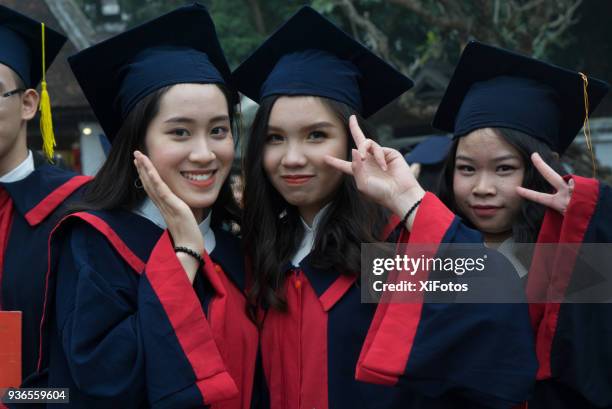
412,209
191,252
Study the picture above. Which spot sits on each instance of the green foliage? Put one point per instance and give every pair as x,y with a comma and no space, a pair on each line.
323,6
410,34
237,27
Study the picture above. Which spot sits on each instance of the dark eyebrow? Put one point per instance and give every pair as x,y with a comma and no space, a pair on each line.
465,158
504,157
219,118
316,125
180,119
272,128
498,159
187,120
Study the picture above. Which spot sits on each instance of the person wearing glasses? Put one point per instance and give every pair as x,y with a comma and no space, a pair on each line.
32,191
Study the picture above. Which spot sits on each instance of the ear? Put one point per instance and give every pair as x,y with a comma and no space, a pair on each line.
555,155
29,104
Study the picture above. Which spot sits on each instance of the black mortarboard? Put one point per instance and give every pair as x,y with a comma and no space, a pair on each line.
28,47
431,151
494,87
178,47
309,55
22,47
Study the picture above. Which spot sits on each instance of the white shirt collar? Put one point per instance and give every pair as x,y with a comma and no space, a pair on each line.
22,170
148,210
310,233
508,248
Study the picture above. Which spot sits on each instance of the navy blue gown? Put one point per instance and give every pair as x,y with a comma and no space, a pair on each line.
31,208
127,328
330,350
574,340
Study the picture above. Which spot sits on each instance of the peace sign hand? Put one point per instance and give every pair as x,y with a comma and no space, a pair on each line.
380,173
558,200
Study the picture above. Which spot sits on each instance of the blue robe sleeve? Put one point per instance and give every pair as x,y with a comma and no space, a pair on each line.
482,354
124,337
574,340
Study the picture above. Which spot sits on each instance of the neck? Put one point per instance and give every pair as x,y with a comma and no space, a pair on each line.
309,213
200,214
495,239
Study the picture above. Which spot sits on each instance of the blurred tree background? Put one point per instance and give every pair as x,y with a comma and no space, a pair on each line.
422,38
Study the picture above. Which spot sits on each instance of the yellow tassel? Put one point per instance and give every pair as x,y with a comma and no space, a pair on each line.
586,124
46,121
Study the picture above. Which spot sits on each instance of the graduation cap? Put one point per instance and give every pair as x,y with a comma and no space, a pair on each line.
309,55
177,48
29,48
431,151
494,87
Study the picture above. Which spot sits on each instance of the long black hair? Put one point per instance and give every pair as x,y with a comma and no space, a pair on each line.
114,185
526,227
272,229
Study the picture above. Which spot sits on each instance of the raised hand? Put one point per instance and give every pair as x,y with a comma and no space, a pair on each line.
558,200
380,173
179,218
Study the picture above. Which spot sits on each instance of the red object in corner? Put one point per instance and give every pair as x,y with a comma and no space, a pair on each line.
10,349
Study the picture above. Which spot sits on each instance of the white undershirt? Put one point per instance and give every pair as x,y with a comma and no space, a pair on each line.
310,233
151,212
22,170
508,249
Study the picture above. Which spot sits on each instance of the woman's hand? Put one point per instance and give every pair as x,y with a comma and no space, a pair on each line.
557,201
179,218
380,173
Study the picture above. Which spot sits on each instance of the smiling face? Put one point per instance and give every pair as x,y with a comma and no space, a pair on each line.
487,171
190,143
302,130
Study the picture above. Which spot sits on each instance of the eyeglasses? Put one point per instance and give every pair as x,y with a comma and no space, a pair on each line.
13,92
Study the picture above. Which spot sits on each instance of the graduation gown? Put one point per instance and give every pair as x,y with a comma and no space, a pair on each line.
574,341
127,328
29,208
331,351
